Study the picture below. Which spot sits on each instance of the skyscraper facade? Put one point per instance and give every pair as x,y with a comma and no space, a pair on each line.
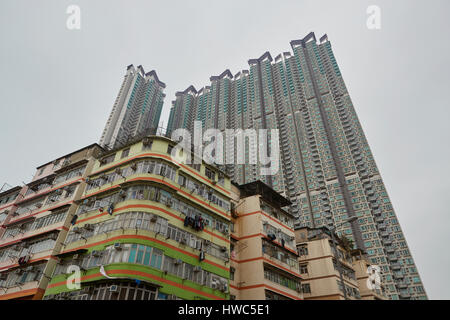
137,108
327,169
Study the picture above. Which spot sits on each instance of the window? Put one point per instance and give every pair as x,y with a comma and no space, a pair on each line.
210,174
303,268
125,153
306,288
303,250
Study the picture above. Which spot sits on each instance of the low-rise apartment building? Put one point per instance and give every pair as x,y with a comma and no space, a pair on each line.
319,266
148,227
264,260
35,228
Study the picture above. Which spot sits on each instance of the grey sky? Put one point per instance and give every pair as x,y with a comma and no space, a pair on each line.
58,86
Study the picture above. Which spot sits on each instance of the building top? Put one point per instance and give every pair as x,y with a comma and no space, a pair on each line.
189,89
11,190
266,192
155,76
152,73
265,56
309,37
226,73
72,153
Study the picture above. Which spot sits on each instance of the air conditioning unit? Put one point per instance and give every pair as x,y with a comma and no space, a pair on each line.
3,276
30,269
114,288
183,240
223,248
169,203
224,287
118,171
214,285
154,218
118,246
133,166
76,257
38,205
96,253
76,230
122,194
171,297
197,269
178,262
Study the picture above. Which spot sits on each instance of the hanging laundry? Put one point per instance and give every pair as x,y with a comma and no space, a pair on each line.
111,209
74,219
103,272
186,221
201,257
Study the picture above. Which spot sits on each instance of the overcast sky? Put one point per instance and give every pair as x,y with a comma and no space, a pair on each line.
57,86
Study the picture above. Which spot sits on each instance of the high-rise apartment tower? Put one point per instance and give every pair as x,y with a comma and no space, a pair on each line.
137,108
327,169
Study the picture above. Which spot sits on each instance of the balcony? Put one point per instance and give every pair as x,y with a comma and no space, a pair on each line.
393,258
405,295
401,285
382,226
399,276
390,250
379,219
363,173
374,205
396,267
377,212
